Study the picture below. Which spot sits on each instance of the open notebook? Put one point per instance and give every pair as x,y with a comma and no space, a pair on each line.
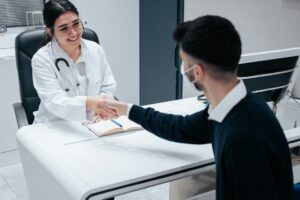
119,125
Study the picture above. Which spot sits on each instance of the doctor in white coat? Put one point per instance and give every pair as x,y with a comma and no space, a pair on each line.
70,74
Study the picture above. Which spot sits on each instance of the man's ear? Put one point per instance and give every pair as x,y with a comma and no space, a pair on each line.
199,71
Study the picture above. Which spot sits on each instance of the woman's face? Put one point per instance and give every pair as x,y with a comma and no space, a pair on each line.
68,30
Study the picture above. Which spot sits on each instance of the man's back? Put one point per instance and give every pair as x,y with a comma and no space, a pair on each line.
252,154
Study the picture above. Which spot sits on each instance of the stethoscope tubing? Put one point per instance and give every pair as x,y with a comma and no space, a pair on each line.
63,60
56,62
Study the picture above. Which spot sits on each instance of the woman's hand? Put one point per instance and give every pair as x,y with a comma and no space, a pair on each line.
109,109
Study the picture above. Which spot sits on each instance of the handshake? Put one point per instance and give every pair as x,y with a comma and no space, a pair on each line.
105,108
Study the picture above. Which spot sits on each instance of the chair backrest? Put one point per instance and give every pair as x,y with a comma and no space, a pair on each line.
270,76
26,45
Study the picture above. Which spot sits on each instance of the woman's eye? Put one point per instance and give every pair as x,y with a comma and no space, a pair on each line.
64,29
76,24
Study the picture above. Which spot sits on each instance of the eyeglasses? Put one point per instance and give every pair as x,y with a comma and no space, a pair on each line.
65,28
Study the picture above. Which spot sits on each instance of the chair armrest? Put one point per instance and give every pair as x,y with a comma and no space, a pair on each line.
20,115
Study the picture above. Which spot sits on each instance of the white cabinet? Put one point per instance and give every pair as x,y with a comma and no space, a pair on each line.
9,90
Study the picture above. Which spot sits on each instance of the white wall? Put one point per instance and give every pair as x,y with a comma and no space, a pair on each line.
263,25
117,25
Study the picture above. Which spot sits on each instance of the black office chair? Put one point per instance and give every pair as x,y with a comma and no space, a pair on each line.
270,78
26,45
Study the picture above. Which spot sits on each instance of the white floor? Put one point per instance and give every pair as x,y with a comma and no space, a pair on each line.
12,183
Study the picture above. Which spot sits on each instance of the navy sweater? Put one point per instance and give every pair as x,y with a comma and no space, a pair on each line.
251,152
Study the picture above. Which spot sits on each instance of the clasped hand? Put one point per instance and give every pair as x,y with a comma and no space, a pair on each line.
105,109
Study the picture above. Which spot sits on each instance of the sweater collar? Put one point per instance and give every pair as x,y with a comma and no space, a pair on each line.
227,103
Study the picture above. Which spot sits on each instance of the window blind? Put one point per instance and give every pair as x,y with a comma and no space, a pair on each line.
13,12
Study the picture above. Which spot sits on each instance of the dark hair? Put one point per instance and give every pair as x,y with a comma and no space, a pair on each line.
212,39
52,10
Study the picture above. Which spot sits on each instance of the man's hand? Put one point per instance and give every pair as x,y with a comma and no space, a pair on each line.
119,106
102,111
109,109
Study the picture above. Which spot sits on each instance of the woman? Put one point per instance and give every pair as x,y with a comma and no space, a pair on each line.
70,74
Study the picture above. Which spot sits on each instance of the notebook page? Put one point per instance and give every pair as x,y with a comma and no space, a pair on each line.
104,128
127,124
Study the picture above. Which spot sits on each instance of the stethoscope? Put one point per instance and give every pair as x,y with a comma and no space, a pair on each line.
62,60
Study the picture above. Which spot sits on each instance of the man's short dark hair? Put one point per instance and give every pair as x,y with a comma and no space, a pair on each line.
212,39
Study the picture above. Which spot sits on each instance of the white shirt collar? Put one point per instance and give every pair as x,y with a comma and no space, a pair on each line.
60,53
227,103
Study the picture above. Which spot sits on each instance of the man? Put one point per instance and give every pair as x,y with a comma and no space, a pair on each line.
251,152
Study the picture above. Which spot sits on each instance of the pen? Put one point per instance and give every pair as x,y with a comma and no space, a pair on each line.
117,123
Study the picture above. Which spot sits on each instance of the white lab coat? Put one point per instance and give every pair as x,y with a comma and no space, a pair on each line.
50,85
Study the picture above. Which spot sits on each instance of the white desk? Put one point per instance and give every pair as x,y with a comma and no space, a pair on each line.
66,161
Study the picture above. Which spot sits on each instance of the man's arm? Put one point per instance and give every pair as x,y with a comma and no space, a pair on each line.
191,129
